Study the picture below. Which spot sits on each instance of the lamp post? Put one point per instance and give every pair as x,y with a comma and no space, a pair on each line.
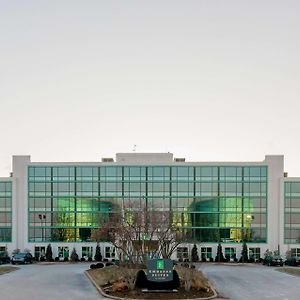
42,217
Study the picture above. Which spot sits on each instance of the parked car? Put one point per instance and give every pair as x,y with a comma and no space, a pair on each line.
293,261
4,258
22,258
273,261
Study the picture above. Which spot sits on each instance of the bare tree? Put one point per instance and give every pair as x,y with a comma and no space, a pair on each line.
137,234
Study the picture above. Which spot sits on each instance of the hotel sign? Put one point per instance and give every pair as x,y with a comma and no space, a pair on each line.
160,270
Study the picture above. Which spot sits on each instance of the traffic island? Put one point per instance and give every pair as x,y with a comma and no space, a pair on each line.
120,283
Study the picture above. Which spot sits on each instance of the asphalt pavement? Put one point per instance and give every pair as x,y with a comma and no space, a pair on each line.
66,281
251,281
48,282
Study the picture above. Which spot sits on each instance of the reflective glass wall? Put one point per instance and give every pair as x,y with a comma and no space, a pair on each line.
292,212
5,211
210,204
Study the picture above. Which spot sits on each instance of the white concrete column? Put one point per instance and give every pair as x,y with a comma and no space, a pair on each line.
275,176
19,164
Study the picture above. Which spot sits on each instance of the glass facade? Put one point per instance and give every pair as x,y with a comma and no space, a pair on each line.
209,203
5,211
292,212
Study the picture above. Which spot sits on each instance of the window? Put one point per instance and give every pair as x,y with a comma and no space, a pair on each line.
254,253
230,253
110,252
182,253
206,253
87,252
63,252
295,251
39,251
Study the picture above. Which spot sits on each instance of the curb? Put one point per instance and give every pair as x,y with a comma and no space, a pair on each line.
215,295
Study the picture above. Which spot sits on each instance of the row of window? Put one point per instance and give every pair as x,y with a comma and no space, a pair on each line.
5,211
64,251
292,212
175,204
149,189
167,171
206,253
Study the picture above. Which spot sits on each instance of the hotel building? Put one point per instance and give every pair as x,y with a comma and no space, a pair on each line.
227,202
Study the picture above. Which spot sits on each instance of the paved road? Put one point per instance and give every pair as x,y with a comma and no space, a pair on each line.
48,282
67,282
252,282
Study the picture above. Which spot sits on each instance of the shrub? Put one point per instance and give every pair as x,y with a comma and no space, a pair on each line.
93,266
56,258
74,255
49,253
244,254
90,259
66,258
220,257
42,258
82,259
99,265
194,255
98,256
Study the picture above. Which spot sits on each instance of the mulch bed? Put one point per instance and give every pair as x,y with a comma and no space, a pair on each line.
105,278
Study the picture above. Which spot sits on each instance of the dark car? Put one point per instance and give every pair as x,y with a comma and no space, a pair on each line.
22,258
273,261
4,258
293,261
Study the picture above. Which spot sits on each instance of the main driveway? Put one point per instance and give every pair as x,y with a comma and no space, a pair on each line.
251,281
48,282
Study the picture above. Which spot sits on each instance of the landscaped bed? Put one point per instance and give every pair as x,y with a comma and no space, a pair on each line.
113,281
291,271
7,269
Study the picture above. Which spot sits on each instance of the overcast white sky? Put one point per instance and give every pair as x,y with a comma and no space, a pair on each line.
207,80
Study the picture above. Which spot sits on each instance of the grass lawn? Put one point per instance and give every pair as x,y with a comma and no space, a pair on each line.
291,271
7,269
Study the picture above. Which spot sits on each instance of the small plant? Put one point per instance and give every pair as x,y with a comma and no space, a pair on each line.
195,256
244,254
268,253
16,251
49,255
220,257
66,258
74,255
98,256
